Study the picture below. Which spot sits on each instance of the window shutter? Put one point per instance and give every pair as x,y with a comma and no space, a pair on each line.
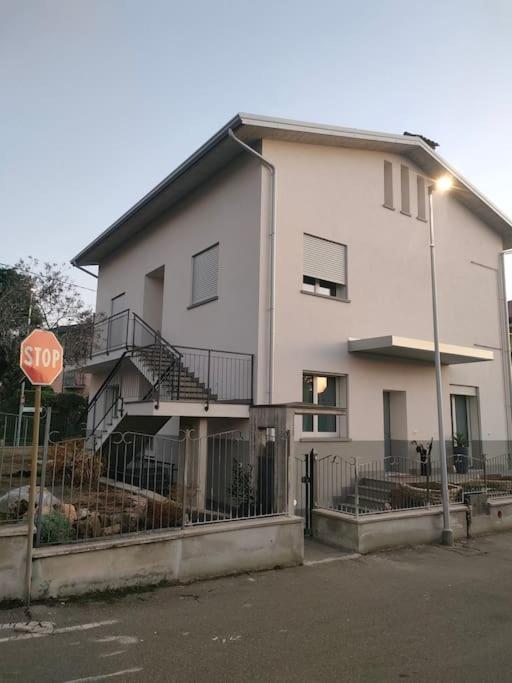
404,182
205,274
422,208
388,184
325,260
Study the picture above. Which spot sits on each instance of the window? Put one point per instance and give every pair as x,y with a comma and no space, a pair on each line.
325,268
388,185
404,184
325,390
422,207
205,275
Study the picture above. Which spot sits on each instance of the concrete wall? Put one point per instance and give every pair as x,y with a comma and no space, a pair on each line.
391,529
13,552
337,194
148,559
498,517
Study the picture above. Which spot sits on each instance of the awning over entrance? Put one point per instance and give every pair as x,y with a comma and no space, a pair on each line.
418,349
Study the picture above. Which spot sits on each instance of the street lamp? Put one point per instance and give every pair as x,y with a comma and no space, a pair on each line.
442,184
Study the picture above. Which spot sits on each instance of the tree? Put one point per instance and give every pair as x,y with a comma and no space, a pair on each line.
56,305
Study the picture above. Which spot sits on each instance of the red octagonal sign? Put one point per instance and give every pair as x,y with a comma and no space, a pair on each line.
41,357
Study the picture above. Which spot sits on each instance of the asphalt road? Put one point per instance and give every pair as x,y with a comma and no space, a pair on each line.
424,614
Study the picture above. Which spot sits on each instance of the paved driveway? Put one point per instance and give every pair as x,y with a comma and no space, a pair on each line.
424,614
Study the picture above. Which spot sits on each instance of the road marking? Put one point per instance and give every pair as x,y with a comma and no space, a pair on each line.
102,677
113,654
122,640
63,629
337,558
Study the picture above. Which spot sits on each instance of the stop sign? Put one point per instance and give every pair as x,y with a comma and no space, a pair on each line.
41,357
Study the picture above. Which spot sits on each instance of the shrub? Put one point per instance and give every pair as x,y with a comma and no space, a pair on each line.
55,528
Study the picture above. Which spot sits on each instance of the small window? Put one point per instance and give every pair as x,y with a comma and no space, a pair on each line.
404,185
205,275
422,206
388,185
329,391
325,268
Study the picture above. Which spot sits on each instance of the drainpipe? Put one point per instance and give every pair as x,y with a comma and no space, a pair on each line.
272,304
506,357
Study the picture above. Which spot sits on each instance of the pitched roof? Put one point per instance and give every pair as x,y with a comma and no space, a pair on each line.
219,150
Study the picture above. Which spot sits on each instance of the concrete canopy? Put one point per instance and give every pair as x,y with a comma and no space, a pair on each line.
418,349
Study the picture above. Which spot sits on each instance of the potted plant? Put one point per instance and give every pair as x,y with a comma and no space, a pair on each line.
460,453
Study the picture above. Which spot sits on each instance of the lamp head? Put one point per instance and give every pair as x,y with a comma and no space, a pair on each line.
444,183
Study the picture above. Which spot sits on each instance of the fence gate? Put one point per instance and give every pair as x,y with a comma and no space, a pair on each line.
305,487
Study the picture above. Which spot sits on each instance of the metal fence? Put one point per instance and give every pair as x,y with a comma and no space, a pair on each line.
136,483
15,463
344,483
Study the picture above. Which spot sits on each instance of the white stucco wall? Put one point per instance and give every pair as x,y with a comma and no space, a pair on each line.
225,210
337,194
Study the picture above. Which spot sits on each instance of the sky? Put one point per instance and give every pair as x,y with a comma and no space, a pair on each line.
100,100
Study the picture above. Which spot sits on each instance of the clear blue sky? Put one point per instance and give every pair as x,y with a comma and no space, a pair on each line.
101,99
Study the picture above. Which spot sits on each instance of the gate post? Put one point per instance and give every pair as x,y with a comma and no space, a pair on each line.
42,481
184,481
356,487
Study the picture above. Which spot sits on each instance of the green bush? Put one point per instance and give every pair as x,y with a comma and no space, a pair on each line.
55,528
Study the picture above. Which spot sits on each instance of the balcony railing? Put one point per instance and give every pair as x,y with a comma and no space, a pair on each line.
73,379
170,372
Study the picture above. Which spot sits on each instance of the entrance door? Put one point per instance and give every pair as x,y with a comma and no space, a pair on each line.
117,324
387,425
395,431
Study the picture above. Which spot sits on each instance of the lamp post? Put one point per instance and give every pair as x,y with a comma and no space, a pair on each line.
442,185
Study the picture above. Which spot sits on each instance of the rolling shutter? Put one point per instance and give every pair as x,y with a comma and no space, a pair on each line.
205,274
324,260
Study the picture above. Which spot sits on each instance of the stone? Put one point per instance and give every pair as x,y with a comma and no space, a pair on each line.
15,502
90,527
68,511
112,530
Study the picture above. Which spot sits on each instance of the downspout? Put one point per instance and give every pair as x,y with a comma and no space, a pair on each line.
272,304
506,357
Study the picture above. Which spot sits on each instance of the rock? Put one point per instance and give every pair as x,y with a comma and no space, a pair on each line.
68,511
15,502
112,530
90,527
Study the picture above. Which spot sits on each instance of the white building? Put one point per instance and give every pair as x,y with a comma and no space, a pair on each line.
326,299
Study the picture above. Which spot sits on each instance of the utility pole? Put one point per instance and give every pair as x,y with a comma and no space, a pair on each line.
22,390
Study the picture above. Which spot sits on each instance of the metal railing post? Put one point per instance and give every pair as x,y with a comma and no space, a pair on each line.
356,487
208,380
484,459
186,458
428,478
159,379
42,482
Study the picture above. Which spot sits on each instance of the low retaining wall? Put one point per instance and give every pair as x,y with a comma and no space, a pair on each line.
13,552
498,517
147,559
368,533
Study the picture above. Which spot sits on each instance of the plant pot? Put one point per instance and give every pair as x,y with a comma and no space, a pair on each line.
460,459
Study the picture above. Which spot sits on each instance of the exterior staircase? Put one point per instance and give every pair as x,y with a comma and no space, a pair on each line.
145,367
374,496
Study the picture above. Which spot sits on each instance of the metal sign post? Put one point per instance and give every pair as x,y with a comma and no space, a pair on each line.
32,493
41,359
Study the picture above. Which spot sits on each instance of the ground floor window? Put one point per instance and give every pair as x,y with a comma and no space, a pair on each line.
329,391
